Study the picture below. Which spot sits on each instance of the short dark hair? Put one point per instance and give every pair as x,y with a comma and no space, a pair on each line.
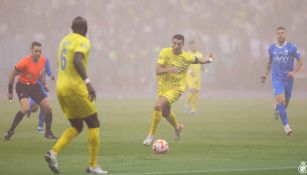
178,37
35,43
79,25
281,28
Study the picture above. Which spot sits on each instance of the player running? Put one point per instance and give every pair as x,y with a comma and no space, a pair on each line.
171,69
281,62
29,70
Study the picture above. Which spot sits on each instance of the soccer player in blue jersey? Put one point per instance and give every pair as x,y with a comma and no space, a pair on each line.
33,106
281,61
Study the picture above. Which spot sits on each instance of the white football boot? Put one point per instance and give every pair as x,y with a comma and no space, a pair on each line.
177,132
52,162
149,139
288,130
96,170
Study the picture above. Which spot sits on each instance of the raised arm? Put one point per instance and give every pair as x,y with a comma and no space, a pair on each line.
206,60
78,57
11,84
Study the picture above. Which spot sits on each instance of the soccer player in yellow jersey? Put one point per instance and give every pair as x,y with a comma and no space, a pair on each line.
171,69
76,94
193,81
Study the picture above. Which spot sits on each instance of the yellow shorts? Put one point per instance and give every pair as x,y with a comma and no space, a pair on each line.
75,103
193,83
170,95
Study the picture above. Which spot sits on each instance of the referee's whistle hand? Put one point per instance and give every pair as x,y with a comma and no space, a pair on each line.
10,96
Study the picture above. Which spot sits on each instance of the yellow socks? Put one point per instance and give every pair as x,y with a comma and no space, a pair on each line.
66,137
194,102
172,120
93,145
156,117
188,99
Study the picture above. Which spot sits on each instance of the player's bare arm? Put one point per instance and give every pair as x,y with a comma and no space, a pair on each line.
206,60
78,57
11,84
297,68
160,69
268,68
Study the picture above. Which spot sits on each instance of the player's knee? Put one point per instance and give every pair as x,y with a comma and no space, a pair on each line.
77,124
34,108
92,121
165,114
47,109
158,107
25,109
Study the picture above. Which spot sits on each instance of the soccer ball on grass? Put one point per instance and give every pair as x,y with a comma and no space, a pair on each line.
160,146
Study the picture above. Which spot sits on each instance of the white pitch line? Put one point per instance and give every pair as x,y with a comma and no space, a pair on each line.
202,171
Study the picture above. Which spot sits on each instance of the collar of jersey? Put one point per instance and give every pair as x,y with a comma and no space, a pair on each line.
282,45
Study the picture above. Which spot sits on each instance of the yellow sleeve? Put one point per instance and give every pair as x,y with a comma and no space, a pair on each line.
190,58
83,47
200,55
162,58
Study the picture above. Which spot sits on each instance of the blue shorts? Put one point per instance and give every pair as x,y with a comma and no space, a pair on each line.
282,87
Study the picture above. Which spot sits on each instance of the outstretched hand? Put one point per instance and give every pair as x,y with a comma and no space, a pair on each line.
211,57
91,92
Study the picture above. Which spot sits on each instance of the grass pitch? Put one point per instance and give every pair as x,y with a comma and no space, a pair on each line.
225,137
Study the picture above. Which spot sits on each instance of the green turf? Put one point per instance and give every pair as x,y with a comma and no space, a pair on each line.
226,137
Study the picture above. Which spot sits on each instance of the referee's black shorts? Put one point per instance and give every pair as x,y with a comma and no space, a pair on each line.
30,90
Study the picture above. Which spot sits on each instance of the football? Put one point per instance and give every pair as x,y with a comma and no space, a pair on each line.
160,146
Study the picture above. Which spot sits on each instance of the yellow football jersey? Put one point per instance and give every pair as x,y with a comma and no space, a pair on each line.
182,61
71,90
68,76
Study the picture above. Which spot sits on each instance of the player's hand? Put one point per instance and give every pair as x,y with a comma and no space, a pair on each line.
46,87
211,57
52,77
10,96
173,70
291,75
91,91
263,78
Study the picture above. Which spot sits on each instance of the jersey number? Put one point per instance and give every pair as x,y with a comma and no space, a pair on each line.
63,59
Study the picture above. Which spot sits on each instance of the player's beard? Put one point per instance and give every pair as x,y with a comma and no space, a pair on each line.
35,58
281,40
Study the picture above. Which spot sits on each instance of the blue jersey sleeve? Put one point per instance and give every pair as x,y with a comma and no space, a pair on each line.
48,68
296,53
